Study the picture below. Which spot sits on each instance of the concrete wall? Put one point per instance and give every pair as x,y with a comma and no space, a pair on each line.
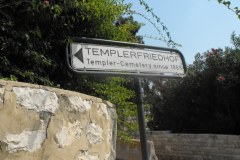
195,146
43,123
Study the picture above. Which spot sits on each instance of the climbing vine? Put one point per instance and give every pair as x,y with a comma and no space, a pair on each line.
163,32
228,4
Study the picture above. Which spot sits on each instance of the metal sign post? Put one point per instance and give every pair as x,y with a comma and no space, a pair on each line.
141,118
104,57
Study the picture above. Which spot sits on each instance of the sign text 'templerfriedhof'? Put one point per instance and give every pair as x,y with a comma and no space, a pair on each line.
125,59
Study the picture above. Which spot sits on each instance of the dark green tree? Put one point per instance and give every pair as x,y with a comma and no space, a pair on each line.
33,35
207,100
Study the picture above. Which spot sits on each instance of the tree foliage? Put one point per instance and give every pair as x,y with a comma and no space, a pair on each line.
34,35
207,100
116,90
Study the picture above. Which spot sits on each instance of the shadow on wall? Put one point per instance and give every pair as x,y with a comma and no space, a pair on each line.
132,150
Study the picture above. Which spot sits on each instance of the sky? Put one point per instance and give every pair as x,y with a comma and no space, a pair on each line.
198,25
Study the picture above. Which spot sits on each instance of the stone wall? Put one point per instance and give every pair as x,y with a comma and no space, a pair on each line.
43,123
195,146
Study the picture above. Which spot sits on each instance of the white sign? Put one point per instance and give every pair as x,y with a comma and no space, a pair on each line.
98,57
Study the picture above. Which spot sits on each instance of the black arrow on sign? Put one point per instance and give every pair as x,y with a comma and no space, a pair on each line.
79,55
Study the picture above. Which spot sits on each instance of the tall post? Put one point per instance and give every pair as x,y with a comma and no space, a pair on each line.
141,118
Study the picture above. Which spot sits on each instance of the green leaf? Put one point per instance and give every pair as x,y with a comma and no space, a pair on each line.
227,3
